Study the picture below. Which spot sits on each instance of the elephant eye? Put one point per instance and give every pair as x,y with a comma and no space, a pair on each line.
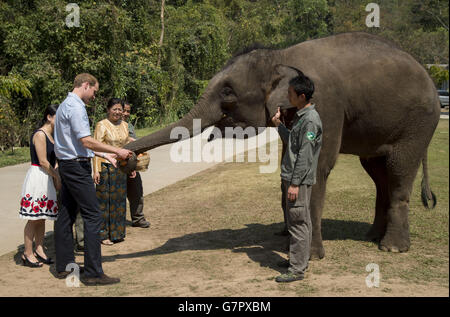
229,99
227,91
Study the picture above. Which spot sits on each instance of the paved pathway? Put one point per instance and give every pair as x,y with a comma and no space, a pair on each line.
162,172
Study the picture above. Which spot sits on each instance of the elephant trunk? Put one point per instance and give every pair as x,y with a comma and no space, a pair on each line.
208,114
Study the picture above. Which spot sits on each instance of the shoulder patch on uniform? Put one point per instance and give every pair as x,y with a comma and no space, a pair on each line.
310,135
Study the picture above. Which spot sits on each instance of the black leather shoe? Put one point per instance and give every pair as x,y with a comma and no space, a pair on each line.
28,263
141,224
102,280
41,259
64,274
79,248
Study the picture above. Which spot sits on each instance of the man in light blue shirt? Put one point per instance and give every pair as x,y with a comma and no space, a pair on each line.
72,125
74,148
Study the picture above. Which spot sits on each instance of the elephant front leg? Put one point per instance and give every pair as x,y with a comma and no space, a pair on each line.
376,168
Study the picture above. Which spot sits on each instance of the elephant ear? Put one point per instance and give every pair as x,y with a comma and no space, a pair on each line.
277,88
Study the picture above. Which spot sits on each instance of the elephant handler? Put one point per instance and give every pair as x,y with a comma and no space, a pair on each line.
298,172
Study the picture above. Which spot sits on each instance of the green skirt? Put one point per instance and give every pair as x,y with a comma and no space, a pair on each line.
112,197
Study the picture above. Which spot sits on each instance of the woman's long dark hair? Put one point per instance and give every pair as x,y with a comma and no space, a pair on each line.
49,111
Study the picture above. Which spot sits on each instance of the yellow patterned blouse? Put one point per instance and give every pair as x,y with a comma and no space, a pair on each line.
109,133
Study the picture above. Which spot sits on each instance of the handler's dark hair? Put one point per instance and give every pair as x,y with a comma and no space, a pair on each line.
302,85
49,111
114,101
125,102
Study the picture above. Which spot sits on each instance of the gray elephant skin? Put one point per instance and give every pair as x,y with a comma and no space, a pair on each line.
375,101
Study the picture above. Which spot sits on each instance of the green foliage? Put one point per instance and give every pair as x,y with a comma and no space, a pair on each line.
439,74
14,84
198,34
118,42
418,27
308,22
10,128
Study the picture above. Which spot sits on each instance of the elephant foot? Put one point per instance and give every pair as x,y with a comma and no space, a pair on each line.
317,253
375,234
394,243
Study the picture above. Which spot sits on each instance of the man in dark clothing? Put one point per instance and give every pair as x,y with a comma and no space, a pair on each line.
135,192
298,173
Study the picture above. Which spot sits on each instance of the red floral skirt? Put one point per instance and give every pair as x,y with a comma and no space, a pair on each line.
38,196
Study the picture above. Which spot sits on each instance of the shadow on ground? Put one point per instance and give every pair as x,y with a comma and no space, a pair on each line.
344,230
49,246
256,240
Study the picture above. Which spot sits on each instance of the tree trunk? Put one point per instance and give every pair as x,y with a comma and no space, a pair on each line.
162,32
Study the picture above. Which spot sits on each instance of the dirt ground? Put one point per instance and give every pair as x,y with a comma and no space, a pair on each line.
149,265
176,257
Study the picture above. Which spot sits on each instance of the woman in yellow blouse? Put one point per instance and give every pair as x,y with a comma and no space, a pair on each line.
112,182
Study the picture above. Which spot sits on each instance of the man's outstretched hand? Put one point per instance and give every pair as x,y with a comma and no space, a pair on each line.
111,158
124,154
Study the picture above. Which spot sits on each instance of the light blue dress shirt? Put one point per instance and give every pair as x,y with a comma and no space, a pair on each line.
71,124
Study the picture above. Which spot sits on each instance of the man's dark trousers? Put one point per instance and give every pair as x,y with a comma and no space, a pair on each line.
135,197
78,190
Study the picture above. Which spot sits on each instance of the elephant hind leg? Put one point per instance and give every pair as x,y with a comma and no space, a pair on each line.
376,168
402,165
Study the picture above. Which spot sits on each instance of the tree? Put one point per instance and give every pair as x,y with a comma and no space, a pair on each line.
162,33
10,127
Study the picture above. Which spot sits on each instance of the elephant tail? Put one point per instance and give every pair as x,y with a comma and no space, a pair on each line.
427,194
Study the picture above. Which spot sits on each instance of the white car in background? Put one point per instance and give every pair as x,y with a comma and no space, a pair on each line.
443,98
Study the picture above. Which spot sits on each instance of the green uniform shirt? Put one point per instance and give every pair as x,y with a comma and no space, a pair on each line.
304,141
131,131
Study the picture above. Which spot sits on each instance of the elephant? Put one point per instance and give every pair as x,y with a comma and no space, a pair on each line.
375,101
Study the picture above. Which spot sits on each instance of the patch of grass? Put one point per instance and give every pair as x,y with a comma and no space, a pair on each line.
305,289
146,131
193,288
19,156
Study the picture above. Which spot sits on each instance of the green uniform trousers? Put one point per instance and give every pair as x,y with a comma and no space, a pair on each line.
300,228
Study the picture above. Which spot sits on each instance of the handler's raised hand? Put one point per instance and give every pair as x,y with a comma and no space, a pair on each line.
276,118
